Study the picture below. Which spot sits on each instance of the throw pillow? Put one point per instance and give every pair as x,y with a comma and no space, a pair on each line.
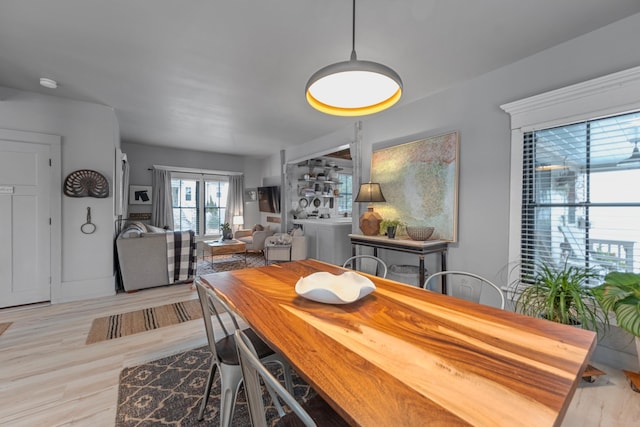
133,229
154,229
257,227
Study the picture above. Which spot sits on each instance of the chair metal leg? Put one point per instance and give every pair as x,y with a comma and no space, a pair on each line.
230,379
207,390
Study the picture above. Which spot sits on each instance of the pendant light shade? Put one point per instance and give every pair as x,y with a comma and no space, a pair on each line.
353,88
635,154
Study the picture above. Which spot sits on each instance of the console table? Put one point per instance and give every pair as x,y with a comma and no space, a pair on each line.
420,248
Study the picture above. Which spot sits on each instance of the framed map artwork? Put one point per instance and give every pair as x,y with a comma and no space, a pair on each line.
419,180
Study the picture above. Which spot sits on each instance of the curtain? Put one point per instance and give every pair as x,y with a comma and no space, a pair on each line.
162,206
234,199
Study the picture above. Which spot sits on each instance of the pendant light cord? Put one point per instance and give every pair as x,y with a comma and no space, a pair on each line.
353,34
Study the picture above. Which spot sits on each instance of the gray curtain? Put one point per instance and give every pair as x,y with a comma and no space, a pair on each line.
235,205
162,208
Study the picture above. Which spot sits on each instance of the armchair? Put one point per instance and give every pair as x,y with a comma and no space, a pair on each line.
283,247
254,238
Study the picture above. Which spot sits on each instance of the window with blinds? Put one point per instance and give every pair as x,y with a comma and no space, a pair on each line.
199,202
581,196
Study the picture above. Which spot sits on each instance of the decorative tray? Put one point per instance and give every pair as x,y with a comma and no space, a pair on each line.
334,289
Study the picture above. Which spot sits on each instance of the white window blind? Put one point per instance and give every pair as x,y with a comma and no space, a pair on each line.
581,195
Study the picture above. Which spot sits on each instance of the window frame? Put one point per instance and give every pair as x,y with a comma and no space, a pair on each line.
200,207
601,97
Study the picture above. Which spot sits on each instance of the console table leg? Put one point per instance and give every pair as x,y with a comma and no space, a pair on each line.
420,270
443,267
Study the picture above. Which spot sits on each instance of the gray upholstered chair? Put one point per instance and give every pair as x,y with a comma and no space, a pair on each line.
367,264
222,344
312,413
253,238
462,284
283,247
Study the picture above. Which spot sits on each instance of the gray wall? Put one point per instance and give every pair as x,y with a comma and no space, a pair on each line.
473,109
90,136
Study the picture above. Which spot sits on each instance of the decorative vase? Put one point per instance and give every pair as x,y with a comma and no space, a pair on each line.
227,235
391,232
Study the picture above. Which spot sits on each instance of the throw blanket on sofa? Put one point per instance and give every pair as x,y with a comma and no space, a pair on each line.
181,255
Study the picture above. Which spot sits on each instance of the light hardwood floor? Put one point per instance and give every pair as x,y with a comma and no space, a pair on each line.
50,377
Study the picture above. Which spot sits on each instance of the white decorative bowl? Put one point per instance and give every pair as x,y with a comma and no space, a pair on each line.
334,289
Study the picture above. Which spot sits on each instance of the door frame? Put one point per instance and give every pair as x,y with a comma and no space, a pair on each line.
55,199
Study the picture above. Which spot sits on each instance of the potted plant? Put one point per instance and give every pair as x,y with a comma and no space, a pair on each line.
389,227
620,293
562,295
227,234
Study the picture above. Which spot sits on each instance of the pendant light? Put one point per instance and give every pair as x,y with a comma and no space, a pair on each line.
635,154
354,87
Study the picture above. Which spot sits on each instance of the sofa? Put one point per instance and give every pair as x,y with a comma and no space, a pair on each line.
254,238
285,247
145,262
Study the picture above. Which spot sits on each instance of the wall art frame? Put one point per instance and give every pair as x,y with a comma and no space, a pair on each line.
250,194
419,180
139,194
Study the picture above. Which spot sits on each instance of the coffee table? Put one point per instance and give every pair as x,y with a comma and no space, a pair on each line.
226,247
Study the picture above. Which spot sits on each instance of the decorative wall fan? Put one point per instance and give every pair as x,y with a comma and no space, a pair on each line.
86,183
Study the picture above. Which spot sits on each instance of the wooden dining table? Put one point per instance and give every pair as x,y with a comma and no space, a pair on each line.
405,356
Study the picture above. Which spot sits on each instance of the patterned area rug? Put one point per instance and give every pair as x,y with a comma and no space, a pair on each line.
228,263
4,327
133,322
168,392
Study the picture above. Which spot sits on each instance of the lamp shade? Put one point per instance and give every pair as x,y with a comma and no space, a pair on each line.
354,87
370,220
238,220
635,154
370,192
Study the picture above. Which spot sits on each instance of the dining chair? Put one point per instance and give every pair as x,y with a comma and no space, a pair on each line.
222,344
464,285
314,412
367,264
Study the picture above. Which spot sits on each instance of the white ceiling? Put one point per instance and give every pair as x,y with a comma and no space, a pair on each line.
229,76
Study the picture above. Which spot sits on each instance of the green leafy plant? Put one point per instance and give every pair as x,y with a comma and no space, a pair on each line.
562,295
620,293
389,223
225,227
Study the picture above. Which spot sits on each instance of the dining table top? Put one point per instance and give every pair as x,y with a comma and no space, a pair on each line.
405,356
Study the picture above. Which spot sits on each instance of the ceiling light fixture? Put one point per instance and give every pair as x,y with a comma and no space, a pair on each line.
635,154
354,87
51,84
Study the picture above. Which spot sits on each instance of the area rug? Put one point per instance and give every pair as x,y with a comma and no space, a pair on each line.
4,327
228,263
133,322
168,392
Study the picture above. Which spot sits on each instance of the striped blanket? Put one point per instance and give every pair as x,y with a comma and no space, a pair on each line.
181,255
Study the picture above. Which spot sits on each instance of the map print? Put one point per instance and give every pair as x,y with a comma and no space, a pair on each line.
419,180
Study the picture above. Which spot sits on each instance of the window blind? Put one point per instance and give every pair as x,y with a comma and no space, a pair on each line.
580,196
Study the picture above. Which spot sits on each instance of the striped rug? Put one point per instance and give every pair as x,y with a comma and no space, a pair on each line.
133,322
4,327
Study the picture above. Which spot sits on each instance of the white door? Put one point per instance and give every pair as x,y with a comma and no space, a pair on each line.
25,230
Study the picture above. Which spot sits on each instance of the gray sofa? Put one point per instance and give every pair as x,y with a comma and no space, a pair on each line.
143,258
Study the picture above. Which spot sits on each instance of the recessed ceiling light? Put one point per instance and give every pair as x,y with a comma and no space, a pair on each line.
51,84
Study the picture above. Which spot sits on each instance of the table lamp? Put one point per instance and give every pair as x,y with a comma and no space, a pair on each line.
238,220
370,220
